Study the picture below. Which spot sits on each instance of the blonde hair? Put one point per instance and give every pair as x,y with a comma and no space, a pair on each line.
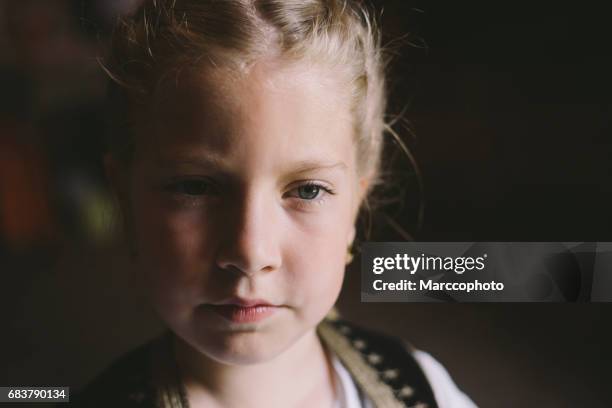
165,36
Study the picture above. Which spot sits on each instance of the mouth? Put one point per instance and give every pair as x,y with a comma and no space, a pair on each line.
242,302
240,310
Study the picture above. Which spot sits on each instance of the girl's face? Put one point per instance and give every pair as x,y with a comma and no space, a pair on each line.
245,187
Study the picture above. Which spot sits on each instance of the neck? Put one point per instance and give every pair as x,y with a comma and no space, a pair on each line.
300,376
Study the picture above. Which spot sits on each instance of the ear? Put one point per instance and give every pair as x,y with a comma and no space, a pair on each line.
351,236
362,190
364,183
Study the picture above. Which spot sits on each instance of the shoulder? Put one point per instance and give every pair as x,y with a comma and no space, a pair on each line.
410,375
446,391
123,383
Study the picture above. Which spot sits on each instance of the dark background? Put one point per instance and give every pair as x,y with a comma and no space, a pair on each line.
505,107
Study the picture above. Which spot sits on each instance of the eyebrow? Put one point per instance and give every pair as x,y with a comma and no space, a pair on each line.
312,165
214,162
208,161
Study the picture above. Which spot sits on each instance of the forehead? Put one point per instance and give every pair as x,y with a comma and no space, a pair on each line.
281,109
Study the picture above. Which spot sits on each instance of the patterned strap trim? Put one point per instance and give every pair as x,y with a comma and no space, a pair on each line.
364,374
382,366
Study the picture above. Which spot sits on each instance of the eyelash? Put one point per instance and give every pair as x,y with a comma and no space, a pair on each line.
191,200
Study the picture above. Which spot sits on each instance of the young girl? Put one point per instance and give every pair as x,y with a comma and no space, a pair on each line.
248,136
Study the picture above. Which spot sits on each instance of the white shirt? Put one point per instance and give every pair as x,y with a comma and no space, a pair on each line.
446,392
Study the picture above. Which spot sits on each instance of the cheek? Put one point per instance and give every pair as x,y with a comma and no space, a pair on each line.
171,248
316,256
316,273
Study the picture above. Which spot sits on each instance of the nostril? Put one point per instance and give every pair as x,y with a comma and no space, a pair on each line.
234,269
229,267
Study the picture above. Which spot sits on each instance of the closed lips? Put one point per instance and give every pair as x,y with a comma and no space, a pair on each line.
244,314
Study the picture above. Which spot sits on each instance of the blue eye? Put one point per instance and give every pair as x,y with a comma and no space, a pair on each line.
309,191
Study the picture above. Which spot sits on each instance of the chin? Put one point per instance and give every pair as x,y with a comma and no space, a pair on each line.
243,348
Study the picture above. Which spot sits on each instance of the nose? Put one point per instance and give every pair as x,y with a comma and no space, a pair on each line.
250,240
